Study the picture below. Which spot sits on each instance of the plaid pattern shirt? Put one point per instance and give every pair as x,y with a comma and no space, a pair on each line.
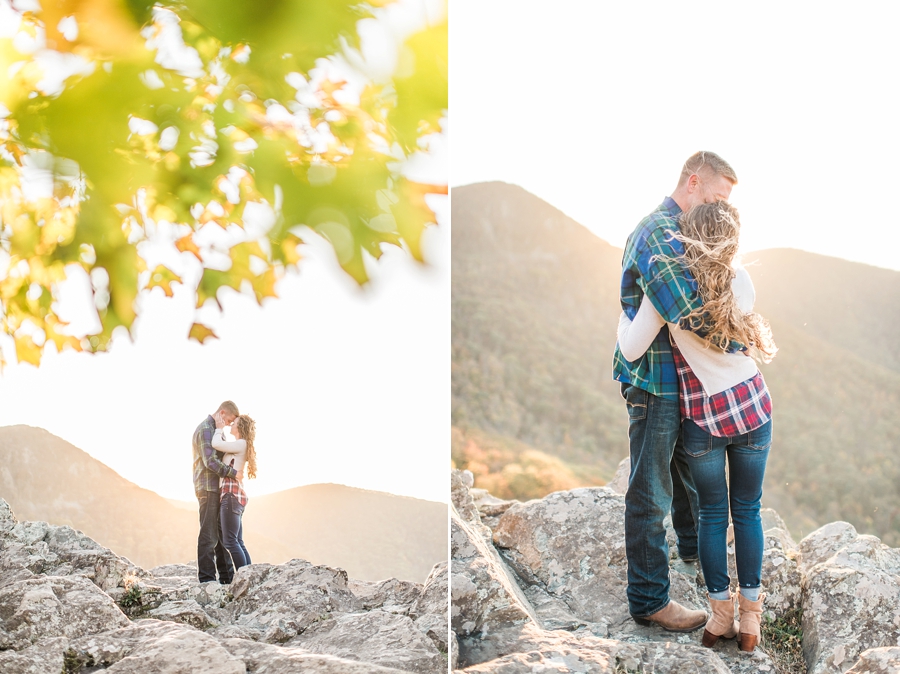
650,266
208,466
737,411
232,486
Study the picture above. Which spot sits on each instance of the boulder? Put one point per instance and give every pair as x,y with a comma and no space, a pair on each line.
259,658
378,637
878,661
276,603
571,544
546,651
619,483
54,606
45,657
490,508
186,611
38,548
485,599
851,586
392,595
430,611
152,647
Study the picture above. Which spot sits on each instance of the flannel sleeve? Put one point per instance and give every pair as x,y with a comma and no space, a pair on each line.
209,457
663,277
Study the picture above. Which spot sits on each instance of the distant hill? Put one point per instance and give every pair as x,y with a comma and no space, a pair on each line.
535,308
373,535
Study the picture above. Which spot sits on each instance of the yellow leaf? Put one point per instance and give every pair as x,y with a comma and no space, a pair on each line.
201,333
163,277
186,245
290,246
27,351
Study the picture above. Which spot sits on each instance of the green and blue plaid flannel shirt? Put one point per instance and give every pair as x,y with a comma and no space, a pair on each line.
208,466
651,266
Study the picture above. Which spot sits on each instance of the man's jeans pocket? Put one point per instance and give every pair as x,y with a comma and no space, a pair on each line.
636,399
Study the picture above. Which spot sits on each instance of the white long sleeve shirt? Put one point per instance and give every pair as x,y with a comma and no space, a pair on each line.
717,370
233,449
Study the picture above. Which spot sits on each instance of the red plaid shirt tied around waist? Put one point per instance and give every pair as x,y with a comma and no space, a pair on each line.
737,411
229,485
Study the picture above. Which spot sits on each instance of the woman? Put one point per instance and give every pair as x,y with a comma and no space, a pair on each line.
232,498
726,412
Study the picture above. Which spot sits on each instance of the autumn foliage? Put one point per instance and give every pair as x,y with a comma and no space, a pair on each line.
144,146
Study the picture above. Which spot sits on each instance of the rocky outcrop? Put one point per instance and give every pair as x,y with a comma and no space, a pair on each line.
68,604
540,587
850,597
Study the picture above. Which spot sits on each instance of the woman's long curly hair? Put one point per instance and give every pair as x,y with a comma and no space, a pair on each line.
247,429
710,235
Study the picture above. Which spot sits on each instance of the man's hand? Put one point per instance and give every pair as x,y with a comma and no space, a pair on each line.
240,476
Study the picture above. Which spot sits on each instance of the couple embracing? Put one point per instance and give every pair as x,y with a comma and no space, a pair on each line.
219,466
687,340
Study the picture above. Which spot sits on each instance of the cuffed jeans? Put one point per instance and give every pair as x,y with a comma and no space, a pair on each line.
231,514
747,455
211,555
660,482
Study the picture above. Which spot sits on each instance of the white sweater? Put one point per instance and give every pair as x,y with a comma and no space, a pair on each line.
717,370
234,449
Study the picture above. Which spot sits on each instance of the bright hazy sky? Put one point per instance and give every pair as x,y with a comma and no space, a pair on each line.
347,385
594,106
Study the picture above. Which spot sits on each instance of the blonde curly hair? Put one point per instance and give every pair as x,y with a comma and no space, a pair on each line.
710,235
247,429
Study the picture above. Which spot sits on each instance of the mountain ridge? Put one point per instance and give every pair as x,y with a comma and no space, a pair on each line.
36,477
533,337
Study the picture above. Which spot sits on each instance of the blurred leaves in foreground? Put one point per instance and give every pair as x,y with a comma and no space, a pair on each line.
146,145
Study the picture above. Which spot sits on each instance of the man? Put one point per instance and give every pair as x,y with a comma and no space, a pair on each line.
660,480
208,468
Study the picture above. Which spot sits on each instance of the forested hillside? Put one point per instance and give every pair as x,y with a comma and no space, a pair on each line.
534,409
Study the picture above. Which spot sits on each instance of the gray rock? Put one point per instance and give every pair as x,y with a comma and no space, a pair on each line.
484,596
54,606
154,647
543,651
186,611
572,545
824,542
276,603
378,637
261,658
174,571
38,548
392,595
490,508
462,499
878,661
851,586
430,611
619,483
45,657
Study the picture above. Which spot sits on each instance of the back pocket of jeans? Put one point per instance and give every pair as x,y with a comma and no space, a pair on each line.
636,401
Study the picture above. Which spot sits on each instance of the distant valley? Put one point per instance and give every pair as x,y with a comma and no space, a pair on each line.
373,535
534,408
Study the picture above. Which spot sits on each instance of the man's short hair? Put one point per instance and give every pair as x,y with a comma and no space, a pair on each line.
229,407
708,162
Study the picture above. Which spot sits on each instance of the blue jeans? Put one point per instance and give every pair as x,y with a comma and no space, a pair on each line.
231,516
211,556
660,483
747,455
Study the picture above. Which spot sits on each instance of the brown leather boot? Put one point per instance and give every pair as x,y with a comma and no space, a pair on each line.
751,614
675,618
722,622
